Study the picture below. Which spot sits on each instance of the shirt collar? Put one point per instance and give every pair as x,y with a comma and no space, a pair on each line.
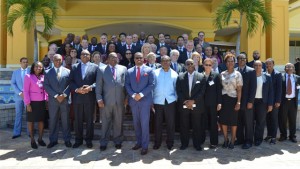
191,74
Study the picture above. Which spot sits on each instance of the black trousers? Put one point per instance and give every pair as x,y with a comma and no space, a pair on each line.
245,126
272,122
166,111
288,112
210,123
185,121
260,112
84,113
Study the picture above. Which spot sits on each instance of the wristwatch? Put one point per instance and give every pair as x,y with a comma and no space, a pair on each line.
238,102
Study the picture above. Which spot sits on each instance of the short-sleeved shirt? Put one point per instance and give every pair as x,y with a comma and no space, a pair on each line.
230,82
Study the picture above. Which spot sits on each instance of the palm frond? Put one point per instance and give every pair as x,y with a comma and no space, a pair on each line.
224,13
11,18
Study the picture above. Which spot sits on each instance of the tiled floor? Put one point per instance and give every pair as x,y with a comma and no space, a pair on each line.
18,154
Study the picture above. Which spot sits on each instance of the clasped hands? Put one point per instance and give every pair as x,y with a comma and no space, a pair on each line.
189,104
137,97
60,98
84,89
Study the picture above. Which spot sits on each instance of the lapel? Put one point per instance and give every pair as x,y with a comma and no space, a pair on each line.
108,72
79,70
194,80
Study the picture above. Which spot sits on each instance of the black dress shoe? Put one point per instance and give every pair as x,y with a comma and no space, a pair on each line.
169,147
213,146
231,146
273,141
257,143
183,147
225,144
246,146
102,148
198,148
155,147
16,136
236,143
77,144
267,138
293,139
89,144
41,142
136,147
282,138
68,144
33,145
52,144
118,146
144,151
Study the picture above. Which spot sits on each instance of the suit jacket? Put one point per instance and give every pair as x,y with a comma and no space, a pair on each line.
155,65
17,83
277,86
249,86
100,49
297,82
79,52
123,49
297,68
158,47
91,50
183,56
53,86
180,67
138,47
76,81
197,92
213,90
34,89
108,89
144,86
204,45
267,90
251,64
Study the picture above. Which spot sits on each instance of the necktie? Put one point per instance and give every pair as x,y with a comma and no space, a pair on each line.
128,47
58,74
289,86
22,75
103,48
175,67
113,71
83,70
189,55
93,48
138,76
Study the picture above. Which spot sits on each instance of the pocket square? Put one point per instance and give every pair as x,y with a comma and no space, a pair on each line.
146,74
197,82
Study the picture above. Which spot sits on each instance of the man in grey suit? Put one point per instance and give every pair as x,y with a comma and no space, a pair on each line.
83,81
57,86
139,83
17,82
110,93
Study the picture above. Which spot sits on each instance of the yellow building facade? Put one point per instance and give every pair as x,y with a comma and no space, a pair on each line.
93,17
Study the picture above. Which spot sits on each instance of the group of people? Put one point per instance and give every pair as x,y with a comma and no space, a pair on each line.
183,87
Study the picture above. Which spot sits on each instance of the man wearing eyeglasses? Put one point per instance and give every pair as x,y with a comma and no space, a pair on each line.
83,81
289,103
190,88
245,116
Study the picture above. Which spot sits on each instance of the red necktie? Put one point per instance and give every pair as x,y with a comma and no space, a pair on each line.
289,86
129,47
138,76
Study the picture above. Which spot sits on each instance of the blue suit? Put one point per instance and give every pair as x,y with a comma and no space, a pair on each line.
17,82
141,108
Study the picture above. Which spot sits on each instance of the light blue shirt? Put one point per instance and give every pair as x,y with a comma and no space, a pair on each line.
165,86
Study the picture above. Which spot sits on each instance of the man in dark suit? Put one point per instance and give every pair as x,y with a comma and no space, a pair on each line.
201,37
127,46
297,66
177,67
289,103
180,47
256,56
76,43
102,46
94,46
82,80
263,102
139,83
190,87
122,37
161,42
245,116
110,94
84,46
188,53
57,86
135,42
272,117
142,39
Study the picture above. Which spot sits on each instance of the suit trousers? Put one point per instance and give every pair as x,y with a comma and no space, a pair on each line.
212,124
20,107
245,126
260,113
288,113
84,112
59,111
141,117
112,116
166,111
272,122
196,118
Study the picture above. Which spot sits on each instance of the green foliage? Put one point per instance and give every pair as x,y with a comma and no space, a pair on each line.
27,10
